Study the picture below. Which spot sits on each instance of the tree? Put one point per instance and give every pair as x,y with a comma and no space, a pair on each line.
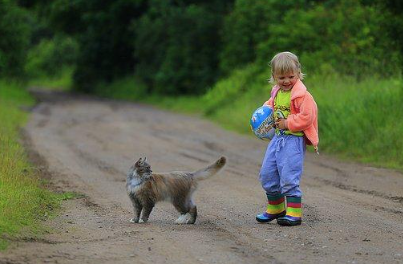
102,30
14,40
177,45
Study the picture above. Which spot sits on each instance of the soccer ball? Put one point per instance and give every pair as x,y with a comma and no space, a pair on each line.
262,122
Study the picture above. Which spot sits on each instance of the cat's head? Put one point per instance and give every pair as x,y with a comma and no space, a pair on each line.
142,168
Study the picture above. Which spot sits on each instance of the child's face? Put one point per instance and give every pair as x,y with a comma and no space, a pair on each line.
286,81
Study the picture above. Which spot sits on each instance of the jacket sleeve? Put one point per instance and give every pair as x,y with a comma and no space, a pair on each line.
306,116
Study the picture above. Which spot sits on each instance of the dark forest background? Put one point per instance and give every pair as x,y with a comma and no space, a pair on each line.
184,47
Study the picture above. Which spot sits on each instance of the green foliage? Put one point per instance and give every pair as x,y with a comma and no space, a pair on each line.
150,44
23,201
14,39
105,40
49,57
128,88
69,196
393,22
232,100
132,89
248,25
184,47
172,46
190,63
228,91
177,47
66,15
357,119
63,80
346,36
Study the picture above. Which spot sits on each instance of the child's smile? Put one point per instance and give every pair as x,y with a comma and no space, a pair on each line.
286,81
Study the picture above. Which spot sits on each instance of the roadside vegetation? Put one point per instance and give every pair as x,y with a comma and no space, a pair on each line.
357,119
24,201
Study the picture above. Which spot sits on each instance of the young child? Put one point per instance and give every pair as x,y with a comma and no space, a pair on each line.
295,113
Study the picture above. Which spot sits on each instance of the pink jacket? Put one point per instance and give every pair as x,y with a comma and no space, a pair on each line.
304,112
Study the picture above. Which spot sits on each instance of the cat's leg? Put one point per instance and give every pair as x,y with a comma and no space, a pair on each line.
193,213
137,207
181,205
147,208
187,209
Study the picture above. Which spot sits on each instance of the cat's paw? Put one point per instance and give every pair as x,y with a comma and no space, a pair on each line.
183,219
134,220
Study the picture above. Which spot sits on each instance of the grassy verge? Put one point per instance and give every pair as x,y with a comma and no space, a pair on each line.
60,82
130,89
358,120
23,199
361,120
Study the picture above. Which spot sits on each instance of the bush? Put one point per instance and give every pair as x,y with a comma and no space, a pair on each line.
106,42
345,36
129,88
177,48
51,56
14,40
248,25
348,37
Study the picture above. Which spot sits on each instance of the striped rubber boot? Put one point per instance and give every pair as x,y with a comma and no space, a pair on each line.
293,212
275,209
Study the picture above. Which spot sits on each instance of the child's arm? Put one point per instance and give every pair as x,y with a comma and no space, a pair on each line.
269,102
305,118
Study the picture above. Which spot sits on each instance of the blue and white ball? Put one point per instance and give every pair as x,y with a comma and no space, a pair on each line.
262,123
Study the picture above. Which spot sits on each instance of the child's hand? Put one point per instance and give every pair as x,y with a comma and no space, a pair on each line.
281,123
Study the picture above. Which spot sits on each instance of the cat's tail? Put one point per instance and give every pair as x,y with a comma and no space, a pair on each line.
210,170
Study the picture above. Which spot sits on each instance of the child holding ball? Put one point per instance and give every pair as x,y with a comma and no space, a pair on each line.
296,120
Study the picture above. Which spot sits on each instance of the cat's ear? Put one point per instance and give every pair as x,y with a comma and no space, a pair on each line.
145,159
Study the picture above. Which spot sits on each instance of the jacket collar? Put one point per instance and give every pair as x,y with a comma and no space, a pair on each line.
298,90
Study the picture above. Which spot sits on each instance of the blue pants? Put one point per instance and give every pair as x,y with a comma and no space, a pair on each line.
283,165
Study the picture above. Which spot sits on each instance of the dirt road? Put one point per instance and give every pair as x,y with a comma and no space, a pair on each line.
352,213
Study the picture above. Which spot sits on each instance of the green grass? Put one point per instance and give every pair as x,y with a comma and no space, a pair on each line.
69,196
130,89
23,199
361,120
358,120
60,82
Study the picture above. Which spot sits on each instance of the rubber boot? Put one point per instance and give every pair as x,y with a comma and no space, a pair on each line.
275,209
293,214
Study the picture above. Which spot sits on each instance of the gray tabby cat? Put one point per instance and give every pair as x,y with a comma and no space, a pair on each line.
145,189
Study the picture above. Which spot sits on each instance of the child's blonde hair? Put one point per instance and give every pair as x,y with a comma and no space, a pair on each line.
283,63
